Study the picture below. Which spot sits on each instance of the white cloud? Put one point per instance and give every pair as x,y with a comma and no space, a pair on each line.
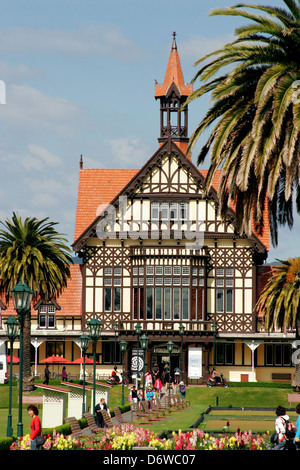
128,151
28,105
48,158
37,158
96,39
17,73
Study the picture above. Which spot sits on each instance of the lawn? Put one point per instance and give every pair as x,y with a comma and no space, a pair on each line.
200,397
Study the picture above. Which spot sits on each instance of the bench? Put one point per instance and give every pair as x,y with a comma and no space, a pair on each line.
282,377
293,398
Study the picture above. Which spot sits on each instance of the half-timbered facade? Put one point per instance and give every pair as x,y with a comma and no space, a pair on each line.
155,252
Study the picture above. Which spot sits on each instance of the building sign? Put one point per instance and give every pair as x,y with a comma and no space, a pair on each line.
163,349
137,360
195,363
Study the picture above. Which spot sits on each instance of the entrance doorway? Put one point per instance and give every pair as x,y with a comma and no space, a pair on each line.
162,360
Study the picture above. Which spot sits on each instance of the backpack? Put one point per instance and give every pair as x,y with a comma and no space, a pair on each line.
290,430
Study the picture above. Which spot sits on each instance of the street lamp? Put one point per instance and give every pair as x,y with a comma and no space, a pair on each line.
181,332
144,345
214,330
84,344
123,347
12,326
170,346
138,330
115,325
22,296
95,327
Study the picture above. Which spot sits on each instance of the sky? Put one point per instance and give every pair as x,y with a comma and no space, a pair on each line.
78,78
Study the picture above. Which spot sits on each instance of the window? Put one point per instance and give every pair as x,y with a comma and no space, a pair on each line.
164,211
54,348
154,211
46,318
224,354
169,211
278,354
108,352
173,211
112,299
112,289
165,292
224,291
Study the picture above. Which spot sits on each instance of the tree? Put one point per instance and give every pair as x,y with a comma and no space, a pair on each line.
33,252
254,83
279,301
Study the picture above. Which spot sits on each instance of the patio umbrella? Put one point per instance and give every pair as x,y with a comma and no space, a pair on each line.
80,361
55,360
15,359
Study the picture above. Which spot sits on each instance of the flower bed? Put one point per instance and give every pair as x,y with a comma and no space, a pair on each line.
128,436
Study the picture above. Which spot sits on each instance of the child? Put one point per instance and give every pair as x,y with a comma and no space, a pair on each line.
158,385
182,389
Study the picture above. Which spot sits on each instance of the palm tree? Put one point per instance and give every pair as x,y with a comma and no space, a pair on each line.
254,83
33,252
279,301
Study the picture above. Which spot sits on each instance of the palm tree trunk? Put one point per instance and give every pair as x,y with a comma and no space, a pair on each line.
27,376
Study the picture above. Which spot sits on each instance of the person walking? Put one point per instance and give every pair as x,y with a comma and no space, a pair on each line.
150,396
158,386
134,394
64,374
99,418
47,375
280,428
35,426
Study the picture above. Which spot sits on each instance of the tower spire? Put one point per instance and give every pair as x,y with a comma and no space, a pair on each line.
172,95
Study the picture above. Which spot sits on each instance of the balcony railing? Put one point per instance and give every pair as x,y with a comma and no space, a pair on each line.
165,326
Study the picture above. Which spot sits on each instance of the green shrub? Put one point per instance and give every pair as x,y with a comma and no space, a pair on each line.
6,442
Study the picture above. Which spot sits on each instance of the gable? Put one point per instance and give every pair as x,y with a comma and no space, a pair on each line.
167,174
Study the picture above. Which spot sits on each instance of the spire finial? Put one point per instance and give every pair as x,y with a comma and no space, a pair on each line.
81,162
174,45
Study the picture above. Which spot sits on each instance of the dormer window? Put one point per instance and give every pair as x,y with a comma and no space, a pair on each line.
47,316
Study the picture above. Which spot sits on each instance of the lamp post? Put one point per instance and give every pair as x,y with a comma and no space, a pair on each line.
138,330
170,346
84,344
123,347
144,345
95,327
115,325
21,295
181,332
12,326
214,330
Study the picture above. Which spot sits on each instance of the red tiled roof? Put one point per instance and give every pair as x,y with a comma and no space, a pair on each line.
97,188
69,300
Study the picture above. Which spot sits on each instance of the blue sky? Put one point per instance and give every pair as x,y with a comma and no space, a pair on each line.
79,78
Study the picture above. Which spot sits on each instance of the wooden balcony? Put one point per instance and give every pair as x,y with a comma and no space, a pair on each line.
162,329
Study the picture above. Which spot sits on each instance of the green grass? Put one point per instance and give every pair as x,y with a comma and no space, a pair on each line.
200,398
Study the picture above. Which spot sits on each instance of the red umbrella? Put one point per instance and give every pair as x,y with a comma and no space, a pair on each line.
80,361
55,360
15,359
